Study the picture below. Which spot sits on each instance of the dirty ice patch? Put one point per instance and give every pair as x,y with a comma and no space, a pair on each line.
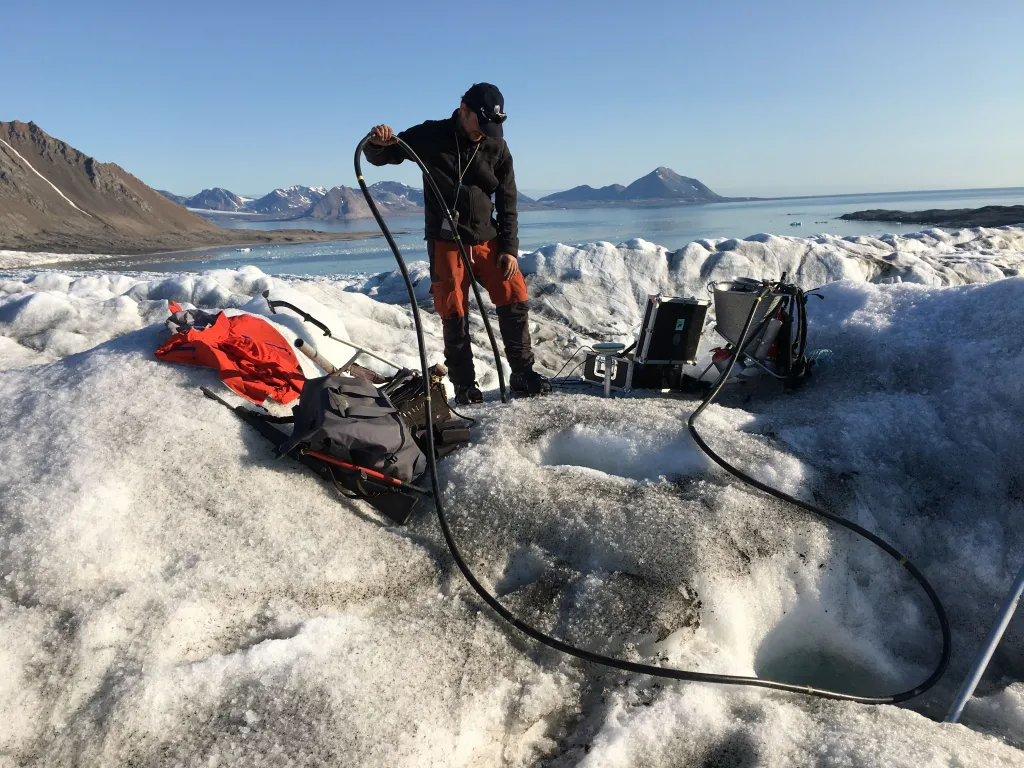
530,490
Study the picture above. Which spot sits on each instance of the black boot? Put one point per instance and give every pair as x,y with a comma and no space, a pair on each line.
529,383
468,394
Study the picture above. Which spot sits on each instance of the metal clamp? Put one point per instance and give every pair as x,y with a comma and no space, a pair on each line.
608,350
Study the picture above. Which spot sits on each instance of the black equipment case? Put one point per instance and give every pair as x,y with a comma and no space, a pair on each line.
667,342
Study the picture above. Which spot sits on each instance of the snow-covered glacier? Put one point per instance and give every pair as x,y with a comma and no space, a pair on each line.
171,594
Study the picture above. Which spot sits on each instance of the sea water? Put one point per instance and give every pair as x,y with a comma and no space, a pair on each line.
671,226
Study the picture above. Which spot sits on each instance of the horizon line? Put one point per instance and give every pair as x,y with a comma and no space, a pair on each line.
733,197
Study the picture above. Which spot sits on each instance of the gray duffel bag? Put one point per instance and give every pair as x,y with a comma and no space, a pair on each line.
353,421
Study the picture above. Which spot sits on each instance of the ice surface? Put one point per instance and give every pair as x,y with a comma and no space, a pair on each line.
171,594
603,288
19,259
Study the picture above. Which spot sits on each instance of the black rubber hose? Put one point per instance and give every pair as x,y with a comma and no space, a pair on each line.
940,612
300,312
580,653
458,242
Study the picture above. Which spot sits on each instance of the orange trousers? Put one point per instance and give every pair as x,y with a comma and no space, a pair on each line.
449,280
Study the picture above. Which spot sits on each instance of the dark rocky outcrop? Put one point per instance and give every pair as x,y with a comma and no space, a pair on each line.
986,216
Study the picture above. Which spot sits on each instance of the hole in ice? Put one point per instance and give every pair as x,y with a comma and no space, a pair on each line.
805,650
827,669
524,567
632,453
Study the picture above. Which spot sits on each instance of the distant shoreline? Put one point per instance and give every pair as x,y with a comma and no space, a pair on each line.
282,237
125,245
68,257
654,202
668,202
647,202
658,202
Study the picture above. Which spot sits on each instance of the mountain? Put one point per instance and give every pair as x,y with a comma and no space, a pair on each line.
660,184
393,193
300,202
392,196
217,199
340,203
396,196
587,193
665,184
288,201
55,198
179,199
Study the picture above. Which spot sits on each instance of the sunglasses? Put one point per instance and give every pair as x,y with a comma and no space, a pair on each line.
491,115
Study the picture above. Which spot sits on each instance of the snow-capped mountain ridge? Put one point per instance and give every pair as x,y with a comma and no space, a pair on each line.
218,199
299,201
293,200
660,184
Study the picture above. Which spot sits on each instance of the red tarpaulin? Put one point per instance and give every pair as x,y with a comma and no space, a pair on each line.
251,357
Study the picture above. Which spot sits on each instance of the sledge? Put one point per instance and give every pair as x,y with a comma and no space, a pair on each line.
363,432
347,432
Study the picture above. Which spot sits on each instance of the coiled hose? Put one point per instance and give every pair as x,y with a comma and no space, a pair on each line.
580,653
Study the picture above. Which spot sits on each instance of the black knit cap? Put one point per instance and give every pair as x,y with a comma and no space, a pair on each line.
488,103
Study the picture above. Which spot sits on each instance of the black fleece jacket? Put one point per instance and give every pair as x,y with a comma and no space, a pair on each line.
442,146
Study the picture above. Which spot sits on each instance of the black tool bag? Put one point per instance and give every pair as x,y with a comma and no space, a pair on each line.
350,419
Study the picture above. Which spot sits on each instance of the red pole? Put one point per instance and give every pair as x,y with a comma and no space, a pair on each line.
356,468
392,481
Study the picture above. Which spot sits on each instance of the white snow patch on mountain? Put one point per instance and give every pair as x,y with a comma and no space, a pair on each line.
32,168
170,593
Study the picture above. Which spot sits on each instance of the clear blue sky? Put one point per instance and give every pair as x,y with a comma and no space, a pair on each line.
750,97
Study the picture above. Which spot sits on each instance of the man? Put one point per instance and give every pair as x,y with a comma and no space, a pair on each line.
470,162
